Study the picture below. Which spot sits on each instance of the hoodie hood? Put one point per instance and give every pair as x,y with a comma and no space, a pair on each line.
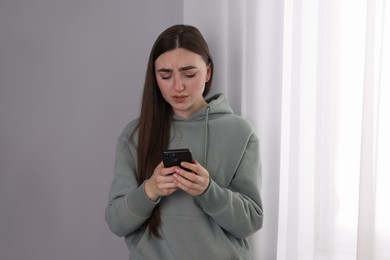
216,106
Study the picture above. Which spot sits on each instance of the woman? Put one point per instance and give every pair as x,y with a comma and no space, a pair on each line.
206,208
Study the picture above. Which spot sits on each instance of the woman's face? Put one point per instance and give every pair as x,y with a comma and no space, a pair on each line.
181,76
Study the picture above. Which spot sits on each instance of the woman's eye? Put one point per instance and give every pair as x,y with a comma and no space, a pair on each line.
190,75
165,76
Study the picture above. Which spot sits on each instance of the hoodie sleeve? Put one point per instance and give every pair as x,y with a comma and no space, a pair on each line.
128,206
238,209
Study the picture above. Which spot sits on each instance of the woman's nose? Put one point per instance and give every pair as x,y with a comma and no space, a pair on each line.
178,84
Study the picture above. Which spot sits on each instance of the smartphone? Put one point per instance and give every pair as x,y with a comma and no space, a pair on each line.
176,156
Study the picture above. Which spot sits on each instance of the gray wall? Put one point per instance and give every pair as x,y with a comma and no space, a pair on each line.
71,76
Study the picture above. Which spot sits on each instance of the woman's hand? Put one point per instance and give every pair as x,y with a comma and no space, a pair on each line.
161,183
194,181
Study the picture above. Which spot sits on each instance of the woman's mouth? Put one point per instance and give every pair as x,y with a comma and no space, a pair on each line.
180,99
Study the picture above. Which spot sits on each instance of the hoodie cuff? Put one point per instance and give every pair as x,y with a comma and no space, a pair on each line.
214,199
139,203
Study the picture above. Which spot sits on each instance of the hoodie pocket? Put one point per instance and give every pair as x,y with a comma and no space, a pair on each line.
197,237
150,248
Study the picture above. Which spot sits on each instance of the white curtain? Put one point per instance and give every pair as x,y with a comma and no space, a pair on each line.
313,78
333,144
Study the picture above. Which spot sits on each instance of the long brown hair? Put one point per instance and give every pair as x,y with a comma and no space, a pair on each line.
156,114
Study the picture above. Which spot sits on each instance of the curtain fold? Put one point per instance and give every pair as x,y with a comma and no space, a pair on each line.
367,187
334,56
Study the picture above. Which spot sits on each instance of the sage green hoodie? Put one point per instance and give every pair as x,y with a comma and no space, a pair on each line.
214,225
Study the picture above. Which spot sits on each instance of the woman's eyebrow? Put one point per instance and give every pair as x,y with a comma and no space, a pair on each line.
164,70
187,68
180,69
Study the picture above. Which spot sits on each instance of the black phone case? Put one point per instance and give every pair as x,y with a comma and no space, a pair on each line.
176,156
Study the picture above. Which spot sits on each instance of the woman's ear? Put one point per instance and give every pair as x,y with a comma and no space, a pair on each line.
208,75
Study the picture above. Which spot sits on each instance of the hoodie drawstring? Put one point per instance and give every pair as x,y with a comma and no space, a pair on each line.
205,139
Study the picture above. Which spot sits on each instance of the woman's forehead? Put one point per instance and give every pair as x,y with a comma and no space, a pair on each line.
179,59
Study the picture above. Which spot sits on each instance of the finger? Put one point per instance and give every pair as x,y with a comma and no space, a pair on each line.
189,180
167,186
191,167
196,168
183,183
191,188
163,180
159,168
169,171
161,164
186,175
